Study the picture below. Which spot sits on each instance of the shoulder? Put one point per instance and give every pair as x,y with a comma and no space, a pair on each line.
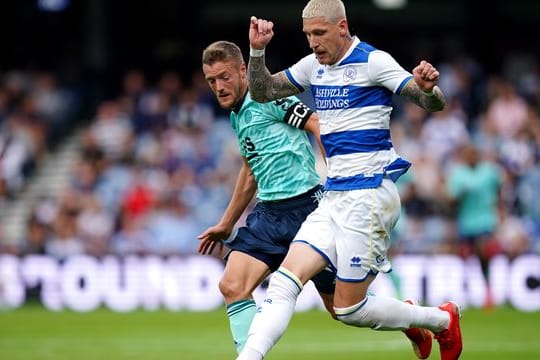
283,104
262,111
308,60
307,63
490,167
380,56
359,54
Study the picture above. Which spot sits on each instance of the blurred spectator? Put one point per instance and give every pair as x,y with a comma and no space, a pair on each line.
173,229
406,130
507,112
33,107
517,154
511,235
36,237
528,193
191,112
132,237
462,81
94,226
63,243
112,131
152,105
57,105
443,132
16,152
475,184
138,199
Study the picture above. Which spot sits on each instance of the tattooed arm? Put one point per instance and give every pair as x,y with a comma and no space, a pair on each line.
422,90
265,87
430,102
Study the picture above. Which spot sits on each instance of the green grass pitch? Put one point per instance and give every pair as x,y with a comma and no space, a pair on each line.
36,334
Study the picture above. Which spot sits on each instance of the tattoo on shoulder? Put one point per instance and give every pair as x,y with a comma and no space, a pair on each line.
435,102
265,87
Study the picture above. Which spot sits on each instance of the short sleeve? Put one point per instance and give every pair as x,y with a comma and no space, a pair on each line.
385,70
300,73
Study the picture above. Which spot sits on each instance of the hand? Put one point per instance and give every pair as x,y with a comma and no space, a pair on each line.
213,237
425,76
260,33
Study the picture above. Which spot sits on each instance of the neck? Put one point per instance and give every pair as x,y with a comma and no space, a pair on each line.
236,108
347,43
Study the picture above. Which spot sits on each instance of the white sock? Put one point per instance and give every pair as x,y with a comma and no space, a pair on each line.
274,315
386,313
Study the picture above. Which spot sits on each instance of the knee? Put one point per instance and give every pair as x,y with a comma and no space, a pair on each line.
233,290
332,313
328,301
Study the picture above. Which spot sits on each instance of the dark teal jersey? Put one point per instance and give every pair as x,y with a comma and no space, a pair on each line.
278,151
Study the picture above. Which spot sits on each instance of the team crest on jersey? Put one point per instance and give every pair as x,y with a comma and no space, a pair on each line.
320,73
248,116
349,75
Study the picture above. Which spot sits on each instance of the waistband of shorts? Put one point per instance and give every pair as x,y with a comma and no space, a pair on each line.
307,195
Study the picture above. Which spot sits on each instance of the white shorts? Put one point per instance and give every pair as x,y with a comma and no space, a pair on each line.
351,230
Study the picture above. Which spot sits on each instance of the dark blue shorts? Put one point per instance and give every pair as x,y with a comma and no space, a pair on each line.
272,226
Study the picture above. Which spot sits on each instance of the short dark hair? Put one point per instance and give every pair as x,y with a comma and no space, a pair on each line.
222,51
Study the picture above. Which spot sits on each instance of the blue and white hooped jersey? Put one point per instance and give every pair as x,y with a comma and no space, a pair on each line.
353,99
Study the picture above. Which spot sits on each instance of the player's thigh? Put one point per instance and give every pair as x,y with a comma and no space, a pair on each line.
314,245
364,223
244,272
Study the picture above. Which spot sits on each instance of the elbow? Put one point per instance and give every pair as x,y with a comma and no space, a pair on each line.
434,106
439,107
257,89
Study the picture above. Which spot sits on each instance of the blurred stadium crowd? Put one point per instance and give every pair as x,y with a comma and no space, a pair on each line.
159,161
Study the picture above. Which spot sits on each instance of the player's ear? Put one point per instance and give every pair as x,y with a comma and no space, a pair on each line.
343,27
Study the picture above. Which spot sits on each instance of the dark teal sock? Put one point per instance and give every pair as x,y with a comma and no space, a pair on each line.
240,314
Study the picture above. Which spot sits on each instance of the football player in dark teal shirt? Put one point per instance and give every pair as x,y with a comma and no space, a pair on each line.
278,166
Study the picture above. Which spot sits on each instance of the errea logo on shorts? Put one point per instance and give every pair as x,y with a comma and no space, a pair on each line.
355,261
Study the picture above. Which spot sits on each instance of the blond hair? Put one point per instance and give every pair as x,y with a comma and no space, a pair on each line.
332,10
222,51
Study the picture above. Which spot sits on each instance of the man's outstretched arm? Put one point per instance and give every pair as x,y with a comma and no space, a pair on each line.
263,86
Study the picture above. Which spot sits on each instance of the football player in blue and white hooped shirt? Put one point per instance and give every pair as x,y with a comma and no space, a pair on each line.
352,83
